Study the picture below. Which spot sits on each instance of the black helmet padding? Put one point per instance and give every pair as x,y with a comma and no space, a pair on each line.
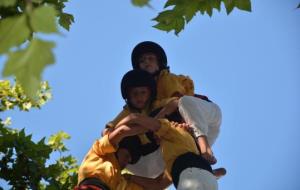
149,47
137,78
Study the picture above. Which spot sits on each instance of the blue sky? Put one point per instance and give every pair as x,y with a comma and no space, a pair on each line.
248,63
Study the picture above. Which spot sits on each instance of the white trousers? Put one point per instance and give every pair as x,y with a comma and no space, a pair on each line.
150,165
197,179
204,117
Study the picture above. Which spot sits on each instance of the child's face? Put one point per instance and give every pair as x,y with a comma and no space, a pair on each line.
123,157
139,96
148,62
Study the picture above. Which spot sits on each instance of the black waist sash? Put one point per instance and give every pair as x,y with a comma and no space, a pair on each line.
188,160
94,181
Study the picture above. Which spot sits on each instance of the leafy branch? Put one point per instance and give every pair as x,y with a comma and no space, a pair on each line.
177,13
27,56
24,164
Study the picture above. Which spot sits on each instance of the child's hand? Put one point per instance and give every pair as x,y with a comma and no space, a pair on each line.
184,126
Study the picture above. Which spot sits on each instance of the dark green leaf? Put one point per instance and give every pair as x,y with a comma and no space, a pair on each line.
169,20
65,20
174,2
243,5
229,5
28,64
43,19
140,3
215,4
13,32
7,3
179,25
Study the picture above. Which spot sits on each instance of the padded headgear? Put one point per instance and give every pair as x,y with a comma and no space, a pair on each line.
137,78
149,47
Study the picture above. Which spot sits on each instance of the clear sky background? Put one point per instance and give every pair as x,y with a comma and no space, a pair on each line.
248,63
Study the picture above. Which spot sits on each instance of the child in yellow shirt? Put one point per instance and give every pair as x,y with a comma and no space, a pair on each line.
102,165
203,115
138,89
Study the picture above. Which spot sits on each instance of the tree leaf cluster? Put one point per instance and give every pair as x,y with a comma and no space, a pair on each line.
12,96
24,163
27,55
177,13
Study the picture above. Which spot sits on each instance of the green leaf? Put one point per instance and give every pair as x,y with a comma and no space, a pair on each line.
179,25
65,20
13,32
7,3
56,141
186,9
43,19
215,4
140,3
174,2
243,5
229,5
28,64
170,20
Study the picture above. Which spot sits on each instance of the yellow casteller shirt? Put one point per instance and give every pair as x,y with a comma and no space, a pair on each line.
174,142
170,85
100,162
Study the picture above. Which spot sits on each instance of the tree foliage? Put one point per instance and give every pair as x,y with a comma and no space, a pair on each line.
24,164
28,55
177,13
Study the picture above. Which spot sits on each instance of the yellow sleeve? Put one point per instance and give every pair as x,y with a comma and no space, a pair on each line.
125,112
188,84
168,132
103,146
170,85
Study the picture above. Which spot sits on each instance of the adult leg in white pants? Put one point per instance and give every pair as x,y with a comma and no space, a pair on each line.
204,117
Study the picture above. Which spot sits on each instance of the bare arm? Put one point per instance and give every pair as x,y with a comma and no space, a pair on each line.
140,121
124,131
168,109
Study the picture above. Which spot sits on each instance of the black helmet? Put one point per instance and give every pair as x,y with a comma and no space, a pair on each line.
132,144
149,47
137,78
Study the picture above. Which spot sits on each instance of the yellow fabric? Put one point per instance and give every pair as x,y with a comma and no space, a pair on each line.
174,142
100,162
161,103
169,85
